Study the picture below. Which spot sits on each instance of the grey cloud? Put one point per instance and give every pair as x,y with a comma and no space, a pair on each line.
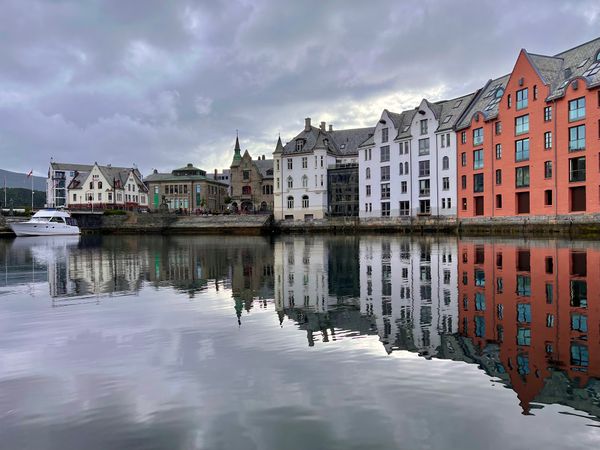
162,83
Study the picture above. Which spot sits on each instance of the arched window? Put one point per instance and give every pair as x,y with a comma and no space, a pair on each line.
368,173
304,181
445,163
290,202
290,182
305,201
401,168
406,168
99,184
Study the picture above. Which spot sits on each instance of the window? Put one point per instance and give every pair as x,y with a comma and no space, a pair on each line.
548,139
99,184
498,128
463,137
548,197
299,145
498,201
368,173
535,92
290,202
522,150
577,169
446,183
304,181
404,208
425,208
524,285
305,201
368,190
463,182
385,190
478,136
368,154
508,101
384,153
522,176
423,168
522,98
385,173
577,109
498,151
579,355
423,188
464,204
577,138
523,312
384,134
406,168
423,126
445,163
246,190
404,187
522,124
498,176
548,169
290,164
463,159
547,113
290,183
424,146
385,209
478,182
478,159
579,323
578,294
305,162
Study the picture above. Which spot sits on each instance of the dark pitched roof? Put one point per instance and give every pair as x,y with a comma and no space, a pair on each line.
263,165
485,102
71,167
404,128
452,110
337,142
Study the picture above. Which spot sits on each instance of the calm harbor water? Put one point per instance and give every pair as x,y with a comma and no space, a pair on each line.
298,342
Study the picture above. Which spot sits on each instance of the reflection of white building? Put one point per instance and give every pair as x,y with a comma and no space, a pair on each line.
410,288
301,274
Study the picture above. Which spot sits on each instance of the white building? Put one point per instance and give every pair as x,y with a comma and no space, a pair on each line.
86,186
410,289
300,168
413,174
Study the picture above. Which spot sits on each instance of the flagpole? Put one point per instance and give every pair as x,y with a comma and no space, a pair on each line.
32,191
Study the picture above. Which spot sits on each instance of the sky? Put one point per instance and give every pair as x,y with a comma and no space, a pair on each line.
161,83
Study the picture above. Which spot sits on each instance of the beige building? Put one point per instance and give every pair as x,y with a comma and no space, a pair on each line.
251,182
186,189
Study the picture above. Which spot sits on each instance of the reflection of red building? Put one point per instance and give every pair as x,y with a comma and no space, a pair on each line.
539,304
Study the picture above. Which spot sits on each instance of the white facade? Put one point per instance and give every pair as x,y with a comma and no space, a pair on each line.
410,288
59,178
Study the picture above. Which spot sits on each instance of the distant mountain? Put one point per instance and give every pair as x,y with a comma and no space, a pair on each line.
21,198
20,180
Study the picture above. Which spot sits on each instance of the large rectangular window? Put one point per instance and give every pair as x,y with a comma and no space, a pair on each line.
424,168
478,136
423,126
385,173
522,98
548,169
404,208
548,140
384,153
424,146
498,151
385,190
577,138
522,124
547,113
385,209
424,188
522,150
522,177
384,134
577,169
478,159
478,182
577,109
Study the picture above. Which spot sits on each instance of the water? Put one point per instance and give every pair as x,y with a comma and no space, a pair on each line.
299,342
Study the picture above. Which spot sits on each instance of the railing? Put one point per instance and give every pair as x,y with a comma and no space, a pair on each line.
577,175
424,193
342,166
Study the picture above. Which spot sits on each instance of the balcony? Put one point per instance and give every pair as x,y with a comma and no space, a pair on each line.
424,193
577,175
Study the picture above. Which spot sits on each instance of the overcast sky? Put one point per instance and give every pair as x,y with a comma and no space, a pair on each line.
162,83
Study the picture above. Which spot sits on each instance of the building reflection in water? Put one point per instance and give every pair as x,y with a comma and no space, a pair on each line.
532,308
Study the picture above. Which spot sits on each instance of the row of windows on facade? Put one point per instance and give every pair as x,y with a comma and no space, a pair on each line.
130,187
171,189
384,151
404,207
424,188
267,189
305,202
423,127
304,163
577,173
290,182
109,197
576,111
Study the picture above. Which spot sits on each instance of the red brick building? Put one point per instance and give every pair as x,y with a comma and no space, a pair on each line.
530,142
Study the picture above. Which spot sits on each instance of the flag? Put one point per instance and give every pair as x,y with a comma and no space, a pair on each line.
30,173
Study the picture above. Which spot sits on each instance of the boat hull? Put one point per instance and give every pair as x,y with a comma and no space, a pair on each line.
43,229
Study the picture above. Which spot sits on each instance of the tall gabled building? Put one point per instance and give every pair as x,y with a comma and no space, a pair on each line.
528,144
408,167
301,165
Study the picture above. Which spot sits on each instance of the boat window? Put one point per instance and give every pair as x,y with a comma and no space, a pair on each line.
57,220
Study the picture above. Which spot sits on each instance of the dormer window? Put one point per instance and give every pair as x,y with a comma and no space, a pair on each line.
299,145
598,57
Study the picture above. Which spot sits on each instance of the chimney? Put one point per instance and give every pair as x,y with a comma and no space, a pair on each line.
323,126
307,124
155,170
215,174
330,127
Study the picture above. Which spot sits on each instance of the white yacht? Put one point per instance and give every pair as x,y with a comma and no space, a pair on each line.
47,222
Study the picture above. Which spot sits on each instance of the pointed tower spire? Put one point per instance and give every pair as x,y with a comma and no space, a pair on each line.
279,146
237,157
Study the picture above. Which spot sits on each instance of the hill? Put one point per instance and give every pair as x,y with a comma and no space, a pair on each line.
21,198
20,180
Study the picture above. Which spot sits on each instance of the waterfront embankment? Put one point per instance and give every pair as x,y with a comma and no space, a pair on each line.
573,226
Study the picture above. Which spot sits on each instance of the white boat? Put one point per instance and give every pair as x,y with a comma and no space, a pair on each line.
47,222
